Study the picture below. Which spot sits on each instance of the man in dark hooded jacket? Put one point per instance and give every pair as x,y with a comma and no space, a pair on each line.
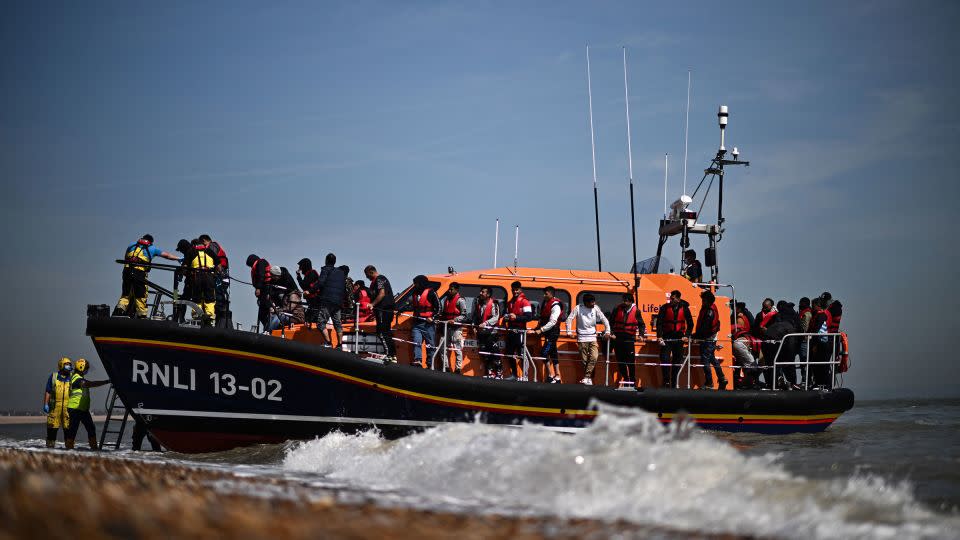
787,322
333,286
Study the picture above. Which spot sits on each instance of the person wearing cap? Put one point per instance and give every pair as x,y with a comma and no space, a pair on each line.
78,407
260,278
425,304
134,288
56,397
221,282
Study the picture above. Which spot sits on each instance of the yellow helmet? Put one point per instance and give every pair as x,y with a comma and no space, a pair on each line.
81,366
63,362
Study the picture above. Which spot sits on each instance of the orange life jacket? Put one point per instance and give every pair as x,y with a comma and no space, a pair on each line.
625,323
516,306
485,311
421,304
450,309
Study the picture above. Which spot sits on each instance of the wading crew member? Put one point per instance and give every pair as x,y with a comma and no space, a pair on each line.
201,263
548,326
309,280
628,328
139,432
424,304
587,316
361,297
708,326
382,305
693,271
518,312
261,278
221,276
486,313
333,288
56,397
674,326
134,274
454,312
79,406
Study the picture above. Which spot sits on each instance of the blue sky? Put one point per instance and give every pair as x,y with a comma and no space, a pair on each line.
395,133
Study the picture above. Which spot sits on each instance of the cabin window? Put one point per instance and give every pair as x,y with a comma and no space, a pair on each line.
606,300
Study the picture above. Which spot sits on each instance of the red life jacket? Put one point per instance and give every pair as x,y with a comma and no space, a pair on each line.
516,306
363,300
484,312
752,341
222,260
625,321
267,277
421,304
833,322
545,310
715,325
312,292
765,318
450,310
673,320
743,323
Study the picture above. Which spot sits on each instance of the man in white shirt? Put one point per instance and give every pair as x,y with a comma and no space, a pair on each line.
587,316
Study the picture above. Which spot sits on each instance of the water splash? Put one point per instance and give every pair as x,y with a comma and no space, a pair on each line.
627,466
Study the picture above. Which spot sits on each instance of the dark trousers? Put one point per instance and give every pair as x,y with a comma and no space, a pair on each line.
673,355
313,310
383,318
625,351
487,344
139,432
549,350
708,358
263,309
222,289
76,418
820,373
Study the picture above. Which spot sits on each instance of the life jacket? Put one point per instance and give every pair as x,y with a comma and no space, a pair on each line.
765,318
833,322
421,304
545,310
59,401
625,323
311,292
516,306
267,277
222,259
138,252
715,325
79,397
743,322
753,342
203,260
363,300
803,312
450,310
673,320
483,313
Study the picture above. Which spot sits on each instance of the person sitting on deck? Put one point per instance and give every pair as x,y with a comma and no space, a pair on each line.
746,350
674,326
518,312
628,327
548,326
587,316
485,315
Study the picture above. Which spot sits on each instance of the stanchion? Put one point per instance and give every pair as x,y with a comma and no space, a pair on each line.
606,377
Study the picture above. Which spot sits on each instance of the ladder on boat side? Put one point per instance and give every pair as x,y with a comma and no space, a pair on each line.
115,408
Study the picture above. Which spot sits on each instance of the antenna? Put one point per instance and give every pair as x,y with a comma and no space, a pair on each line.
722,118
633,223
666,169
496,243
516,249
593,154
686,132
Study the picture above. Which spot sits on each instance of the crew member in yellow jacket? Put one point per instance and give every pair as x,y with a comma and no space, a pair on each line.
79,406
55,400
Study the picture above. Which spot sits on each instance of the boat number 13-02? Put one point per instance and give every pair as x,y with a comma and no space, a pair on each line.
226,384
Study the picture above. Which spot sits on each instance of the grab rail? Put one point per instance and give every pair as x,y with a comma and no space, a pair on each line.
834,361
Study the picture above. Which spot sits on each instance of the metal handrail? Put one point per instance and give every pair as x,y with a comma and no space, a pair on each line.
806,379
549,278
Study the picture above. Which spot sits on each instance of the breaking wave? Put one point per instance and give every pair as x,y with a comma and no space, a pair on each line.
625,466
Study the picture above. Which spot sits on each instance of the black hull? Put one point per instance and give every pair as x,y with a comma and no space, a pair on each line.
202,390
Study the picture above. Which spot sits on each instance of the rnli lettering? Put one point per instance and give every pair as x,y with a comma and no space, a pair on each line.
160,375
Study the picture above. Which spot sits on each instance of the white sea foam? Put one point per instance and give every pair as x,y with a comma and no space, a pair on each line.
625,466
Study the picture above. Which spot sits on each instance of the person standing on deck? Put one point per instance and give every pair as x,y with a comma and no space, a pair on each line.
134,273
261,278
361,298
674,326
333,287
587,316
309,281
486,313
382,305
424,304
56,397
519,311
708,326
454,312
820,346
629,328
200,264
548,326
221,282
79,406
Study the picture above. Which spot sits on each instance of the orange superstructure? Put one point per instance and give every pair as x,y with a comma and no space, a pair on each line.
608,288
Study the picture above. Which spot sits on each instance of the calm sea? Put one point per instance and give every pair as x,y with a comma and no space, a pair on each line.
885,469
